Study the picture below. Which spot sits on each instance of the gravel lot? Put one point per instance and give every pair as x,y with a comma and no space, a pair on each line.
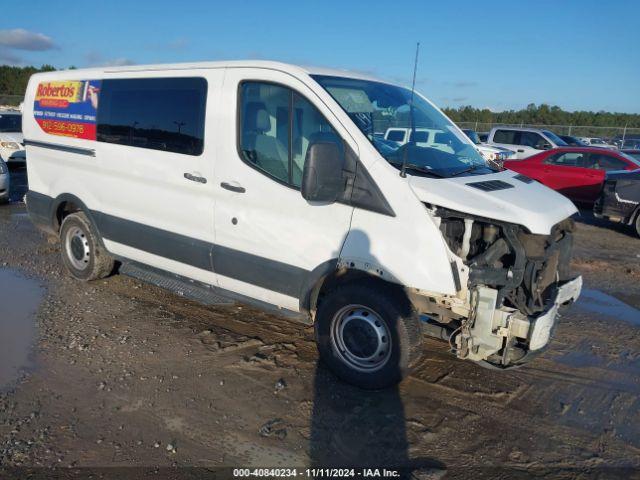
123,374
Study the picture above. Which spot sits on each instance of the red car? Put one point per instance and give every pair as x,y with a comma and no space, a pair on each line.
576,172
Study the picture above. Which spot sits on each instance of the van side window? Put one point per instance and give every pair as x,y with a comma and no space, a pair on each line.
155,113
309,126
265,132
277,125
510,137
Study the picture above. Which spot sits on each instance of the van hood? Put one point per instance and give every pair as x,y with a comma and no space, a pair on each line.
532,205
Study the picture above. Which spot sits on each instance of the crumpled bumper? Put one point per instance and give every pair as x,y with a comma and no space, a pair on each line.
542,325
492,326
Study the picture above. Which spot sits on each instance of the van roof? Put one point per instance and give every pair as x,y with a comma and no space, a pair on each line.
266,64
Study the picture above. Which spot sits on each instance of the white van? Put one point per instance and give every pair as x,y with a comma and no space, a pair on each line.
264,182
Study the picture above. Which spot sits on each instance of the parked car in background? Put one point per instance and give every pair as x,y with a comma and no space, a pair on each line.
630,144
5,181
598,142
633,152
11,140
576,172
573,141
432,137
483,136
494,155
620,199
524,141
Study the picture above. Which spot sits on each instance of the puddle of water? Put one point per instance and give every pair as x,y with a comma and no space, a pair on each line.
19,300
596,301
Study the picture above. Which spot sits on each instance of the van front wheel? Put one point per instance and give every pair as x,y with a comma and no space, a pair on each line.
368,334
82,253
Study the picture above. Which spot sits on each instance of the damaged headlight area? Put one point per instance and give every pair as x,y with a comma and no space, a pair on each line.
516,282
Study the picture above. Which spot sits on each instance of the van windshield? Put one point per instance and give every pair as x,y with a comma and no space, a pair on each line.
435,147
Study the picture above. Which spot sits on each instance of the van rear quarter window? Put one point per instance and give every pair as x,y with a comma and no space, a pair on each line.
155,113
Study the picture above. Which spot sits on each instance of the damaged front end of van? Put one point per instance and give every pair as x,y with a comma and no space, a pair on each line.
512,284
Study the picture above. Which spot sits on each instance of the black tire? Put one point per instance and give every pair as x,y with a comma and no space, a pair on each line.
82,252
347,348
637,224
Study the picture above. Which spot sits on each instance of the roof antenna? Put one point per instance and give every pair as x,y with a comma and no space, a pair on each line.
403,173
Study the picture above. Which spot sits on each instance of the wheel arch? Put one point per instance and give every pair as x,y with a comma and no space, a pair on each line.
328,275
66,204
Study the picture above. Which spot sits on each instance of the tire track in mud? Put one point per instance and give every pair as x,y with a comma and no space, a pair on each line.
530,393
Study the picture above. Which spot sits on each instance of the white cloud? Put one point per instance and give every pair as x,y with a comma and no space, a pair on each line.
464,84
96,59
20,39
118,62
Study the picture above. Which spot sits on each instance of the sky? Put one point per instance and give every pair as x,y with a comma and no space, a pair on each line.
577,54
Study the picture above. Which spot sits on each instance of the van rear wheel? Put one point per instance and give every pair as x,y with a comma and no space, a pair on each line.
82,253
368,334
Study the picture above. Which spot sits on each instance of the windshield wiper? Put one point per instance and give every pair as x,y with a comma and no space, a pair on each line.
418,168
467,170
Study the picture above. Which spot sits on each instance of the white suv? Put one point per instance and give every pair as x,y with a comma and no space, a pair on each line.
11,140
525,141
494,155
598,142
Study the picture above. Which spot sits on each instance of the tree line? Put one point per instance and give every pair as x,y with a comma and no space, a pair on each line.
543,114
13,81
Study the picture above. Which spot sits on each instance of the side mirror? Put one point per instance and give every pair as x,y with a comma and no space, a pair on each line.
322,176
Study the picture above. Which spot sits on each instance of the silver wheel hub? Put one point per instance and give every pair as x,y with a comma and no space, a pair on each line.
361,338
77,248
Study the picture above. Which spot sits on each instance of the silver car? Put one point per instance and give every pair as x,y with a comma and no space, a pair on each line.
11,139
4,182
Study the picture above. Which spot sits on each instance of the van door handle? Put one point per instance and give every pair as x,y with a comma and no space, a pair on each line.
195,178
234,188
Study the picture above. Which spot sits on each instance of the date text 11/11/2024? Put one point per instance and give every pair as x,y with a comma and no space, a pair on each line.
316,472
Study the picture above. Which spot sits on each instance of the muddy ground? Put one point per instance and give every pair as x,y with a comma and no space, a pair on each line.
123,374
